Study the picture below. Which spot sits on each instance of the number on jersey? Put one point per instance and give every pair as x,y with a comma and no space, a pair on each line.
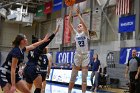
81,43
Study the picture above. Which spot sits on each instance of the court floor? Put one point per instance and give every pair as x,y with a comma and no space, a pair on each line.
59,88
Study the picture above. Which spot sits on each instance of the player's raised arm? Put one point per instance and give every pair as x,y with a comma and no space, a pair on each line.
70,24
82,21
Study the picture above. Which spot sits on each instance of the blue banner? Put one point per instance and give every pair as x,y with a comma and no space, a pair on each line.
68,57
126,53
127,24
65,57
57,5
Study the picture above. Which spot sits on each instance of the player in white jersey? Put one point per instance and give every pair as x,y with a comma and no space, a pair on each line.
81,58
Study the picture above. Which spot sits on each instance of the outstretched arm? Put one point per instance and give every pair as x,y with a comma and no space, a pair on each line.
42,46
82,21
70,24
34,45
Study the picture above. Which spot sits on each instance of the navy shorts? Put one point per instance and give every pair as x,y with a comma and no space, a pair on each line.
30,73
6,78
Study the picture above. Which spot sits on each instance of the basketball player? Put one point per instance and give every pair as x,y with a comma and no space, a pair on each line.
45,62
81,58
9,77
32,70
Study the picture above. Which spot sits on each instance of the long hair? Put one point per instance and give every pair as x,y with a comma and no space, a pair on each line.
18,39
34,39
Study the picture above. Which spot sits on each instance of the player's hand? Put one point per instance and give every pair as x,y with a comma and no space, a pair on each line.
57,29
12,90
46,38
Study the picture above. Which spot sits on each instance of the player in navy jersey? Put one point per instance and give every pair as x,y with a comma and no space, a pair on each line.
32,70
81,58
9,77
45,62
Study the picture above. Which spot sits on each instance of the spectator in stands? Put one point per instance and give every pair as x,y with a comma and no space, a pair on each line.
95,64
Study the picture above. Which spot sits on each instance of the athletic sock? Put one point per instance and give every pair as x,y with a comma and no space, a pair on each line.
37,90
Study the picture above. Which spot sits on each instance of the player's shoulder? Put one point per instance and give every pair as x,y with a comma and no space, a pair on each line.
15,50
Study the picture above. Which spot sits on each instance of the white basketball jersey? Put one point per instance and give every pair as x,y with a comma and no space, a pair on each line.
81,40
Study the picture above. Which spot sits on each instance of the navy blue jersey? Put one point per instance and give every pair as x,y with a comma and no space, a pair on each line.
43,62
34,55
16,52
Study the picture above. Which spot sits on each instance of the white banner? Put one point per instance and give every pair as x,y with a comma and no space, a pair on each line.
58,37
96,25
86,17
28,18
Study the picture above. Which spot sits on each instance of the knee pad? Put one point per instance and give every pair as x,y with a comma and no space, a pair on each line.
84,77
74,75
37,90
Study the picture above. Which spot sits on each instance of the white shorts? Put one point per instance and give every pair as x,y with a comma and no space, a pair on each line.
81,60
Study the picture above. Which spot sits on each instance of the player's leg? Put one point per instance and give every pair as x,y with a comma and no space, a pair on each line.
74,74
43,86
22,86
5,81
85,63
6,88
84,78
43,82
38,84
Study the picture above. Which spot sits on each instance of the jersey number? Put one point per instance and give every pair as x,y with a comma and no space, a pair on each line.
81,43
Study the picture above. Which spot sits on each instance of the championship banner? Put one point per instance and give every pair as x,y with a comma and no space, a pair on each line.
65,57
57,5
126,53
48,7
67,32
127,24
40,11
59,35
96,25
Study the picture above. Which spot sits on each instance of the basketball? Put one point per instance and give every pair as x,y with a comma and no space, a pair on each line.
70,2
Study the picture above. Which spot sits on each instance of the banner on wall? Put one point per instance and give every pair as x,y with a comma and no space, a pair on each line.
67,32
48,7
96,24
57,5
40,11
126,53
86,17
58,37
127,24
65,57
68,57
28,18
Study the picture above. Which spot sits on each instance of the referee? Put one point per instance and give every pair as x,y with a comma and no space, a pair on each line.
133,67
